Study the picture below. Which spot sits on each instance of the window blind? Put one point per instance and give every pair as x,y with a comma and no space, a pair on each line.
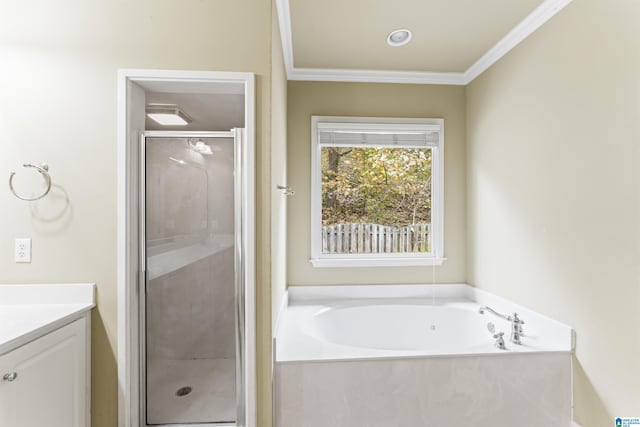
375,135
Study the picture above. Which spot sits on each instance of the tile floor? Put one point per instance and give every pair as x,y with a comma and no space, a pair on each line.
212,399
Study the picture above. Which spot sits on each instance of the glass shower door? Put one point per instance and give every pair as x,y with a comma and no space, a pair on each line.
190,306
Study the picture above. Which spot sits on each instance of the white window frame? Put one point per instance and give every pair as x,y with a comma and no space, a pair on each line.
436,257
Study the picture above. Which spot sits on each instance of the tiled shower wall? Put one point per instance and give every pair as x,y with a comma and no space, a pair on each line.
177,198
191,311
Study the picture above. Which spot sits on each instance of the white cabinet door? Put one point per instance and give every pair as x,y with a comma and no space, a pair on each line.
49,388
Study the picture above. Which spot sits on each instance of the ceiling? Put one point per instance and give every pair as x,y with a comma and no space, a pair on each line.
453,40
209,112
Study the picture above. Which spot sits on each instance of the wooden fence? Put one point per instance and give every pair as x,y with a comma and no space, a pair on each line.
374,238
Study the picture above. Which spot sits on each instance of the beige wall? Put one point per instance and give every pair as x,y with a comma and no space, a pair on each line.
374,100
277,212
278,170
58,84
553,191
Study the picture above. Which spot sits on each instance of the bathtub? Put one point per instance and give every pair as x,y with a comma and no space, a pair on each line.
403,326
416,356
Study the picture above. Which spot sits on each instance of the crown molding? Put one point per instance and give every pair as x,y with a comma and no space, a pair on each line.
375,76
284,18
545,11
524,29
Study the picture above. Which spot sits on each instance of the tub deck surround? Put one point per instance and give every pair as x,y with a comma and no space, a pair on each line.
30,311
414,355
479,391
324,323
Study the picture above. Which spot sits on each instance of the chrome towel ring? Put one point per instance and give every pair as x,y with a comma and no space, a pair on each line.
44,171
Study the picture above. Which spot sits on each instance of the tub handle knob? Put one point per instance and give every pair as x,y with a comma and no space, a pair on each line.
516,329
517,322
500,340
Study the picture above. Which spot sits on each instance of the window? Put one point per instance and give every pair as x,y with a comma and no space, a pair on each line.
377,191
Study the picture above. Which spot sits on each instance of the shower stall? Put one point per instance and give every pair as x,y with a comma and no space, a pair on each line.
191,310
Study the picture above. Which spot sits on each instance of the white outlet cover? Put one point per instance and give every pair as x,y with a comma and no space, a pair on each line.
22,250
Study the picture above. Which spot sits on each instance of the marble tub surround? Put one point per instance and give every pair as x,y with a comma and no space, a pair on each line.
32,310
405,309
524,390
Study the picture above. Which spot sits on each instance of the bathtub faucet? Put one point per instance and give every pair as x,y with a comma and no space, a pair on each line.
516,323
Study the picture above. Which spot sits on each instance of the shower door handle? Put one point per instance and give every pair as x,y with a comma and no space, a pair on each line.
143,286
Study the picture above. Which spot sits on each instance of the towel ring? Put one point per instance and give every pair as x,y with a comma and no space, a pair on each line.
44,171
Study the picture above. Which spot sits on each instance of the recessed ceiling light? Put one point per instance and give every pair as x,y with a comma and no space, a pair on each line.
399,37
167,115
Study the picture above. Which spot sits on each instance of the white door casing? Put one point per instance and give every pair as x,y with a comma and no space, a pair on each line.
131,104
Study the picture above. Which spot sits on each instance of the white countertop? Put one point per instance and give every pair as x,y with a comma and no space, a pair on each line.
30,311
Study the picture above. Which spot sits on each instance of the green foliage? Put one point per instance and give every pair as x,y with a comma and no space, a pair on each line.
389,186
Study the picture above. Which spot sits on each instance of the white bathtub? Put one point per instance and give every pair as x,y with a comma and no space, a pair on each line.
416,356
333,323
445,328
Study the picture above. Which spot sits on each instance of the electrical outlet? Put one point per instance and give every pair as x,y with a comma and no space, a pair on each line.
23,250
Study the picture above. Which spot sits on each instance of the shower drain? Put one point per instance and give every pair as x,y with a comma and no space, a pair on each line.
183,391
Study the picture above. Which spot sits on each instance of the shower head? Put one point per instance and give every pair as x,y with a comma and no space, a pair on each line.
200,146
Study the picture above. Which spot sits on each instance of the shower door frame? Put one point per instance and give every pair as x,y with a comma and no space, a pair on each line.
239,148
132,87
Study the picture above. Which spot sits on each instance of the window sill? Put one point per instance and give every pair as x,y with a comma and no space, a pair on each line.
376,262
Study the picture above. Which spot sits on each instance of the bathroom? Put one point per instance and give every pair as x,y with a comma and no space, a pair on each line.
539,208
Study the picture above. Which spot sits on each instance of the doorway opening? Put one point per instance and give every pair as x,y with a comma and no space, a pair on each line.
186,280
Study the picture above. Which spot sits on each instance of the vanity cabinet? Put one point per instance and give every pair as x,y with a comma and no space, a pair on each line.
45,382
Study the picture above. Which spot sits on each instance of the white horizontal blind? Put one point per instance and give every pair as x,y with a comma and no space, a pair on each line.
378,135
